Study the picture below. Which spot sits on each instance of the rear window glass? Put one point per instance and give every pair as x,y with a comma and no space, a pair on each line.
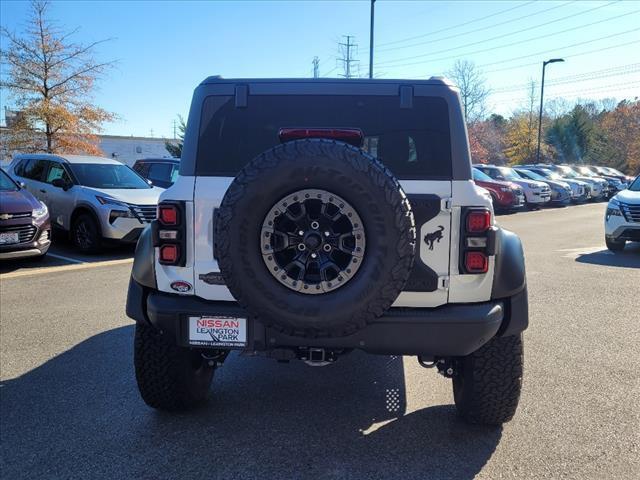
412,142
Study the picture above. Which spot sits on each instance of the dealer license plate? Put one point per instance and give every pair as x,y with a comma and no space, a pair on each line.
11,237
217,331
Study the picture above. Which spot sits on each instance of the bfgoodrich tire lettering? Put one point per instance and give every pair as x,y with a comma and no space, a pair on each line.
347,172
486,387
169,377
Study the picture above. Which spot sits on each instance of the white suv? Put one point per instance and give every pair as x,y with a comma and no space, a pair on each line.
315,217
92,198
622,220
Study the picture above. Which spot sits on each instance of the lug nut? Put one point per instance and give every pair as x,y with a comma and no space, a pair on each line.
302,247
313,255
315,225
327,247
300,232
326,234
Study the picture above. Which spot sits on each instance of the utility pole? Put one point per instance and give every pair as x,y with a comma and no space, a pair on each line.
174,128
316,67
347,56
544,65
371,40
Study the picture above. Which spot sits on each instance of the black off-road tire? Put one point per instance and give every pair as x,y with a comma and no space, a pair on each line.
487,383
169,377
85,234
347,172
615,245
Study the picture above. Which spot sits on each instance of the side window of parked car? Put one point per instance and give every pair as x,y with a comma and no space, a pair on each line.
34,169
160,172
141,168
56,170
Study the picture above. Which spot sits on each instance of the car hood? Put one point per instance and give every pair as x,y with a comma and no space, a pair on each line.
497,183
20,201
592,180
525,183
137,196
628,196
570,181
557,183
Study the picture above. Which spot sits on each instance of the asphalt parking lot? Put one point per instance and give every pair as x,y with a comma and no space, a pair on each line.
70,409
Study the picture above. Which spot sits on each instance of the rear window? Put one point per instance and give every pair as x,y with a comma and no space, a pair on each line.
413,142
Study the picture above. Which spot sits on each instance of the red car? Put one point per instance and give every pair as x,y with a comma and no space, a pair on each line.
505,195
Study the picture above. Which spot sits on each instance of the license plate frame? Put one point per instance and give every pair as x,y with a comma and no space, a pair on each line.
9,238
217,331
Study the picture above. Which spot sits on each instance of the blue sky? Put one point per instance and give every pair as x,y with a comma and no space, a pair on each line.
165,48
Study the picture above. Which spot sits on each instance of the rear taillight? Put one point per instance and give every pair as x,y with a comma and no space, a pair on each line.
169,233
478,221
476,262
169,254
477,241
352,136
168,215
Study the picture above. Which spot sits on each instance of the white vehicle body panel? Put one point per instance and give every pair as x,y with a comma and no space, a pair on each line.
208,193
627,203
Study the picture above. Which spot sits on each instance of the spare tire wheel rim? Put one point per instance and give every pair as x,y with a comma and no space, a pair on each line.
312,241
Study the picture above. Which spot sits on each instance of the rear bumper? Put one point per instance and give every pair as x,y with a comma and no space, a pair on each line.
450,330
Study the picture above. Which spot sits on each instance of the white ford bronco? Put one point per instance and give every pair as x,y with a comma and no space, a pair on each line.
315,217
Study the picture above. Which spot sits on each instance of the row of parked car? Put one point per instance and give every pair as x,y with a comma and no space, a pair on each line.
97,200
532,186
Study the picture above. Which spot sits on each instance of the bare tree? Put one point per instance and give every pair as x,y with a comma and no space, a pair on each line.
473,89
50,80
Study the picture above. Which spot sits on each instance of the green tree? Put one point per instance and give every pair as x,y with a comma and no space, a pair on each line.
175,149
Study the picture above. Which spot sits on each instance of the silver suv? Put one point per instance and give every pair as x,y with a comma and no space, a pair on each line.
92,198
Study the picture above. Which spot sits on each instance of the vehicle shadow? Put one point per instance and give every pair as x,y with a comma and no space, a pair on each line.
79,416
629,257
62,250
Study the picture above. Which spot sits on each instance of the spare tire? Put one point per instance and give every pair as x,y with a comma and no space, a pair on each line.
315,237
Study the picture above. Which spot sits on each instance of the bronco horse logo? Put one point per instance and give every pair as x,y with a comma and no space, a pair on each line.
431,238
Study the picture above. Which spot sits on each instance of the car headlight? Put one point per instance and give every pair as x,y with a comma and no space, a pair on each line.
532,185
40,212
110,201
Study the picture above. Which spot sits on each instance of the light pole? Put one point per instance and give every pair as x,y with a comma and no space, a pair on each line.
544,65
371,41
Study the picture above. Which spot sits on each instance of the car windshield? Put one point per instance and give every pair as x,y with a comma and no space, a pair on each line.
613,171
530,175
567,172
584,171
481,176
509,173
107,176
6,184
635,186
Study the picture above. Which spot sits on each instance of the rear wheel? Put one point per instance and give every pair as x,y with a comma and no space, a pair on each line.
615,245
487,384
85,234
169,377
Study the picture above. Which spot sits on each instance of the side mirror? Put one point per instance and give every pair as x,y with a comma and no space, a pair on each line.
60,183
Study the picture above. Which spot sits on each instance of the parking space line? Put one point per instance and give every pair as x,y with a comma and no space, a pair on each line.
64,268
66,259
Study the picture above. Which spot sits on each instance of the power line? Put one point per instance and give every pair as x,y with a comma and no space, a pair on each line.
573,55
490,27
574,93
553,50
408,39
584,77
388,63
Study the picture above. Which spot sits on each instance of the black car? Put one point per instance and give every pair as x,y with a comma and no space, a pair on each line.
25,230
162,172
